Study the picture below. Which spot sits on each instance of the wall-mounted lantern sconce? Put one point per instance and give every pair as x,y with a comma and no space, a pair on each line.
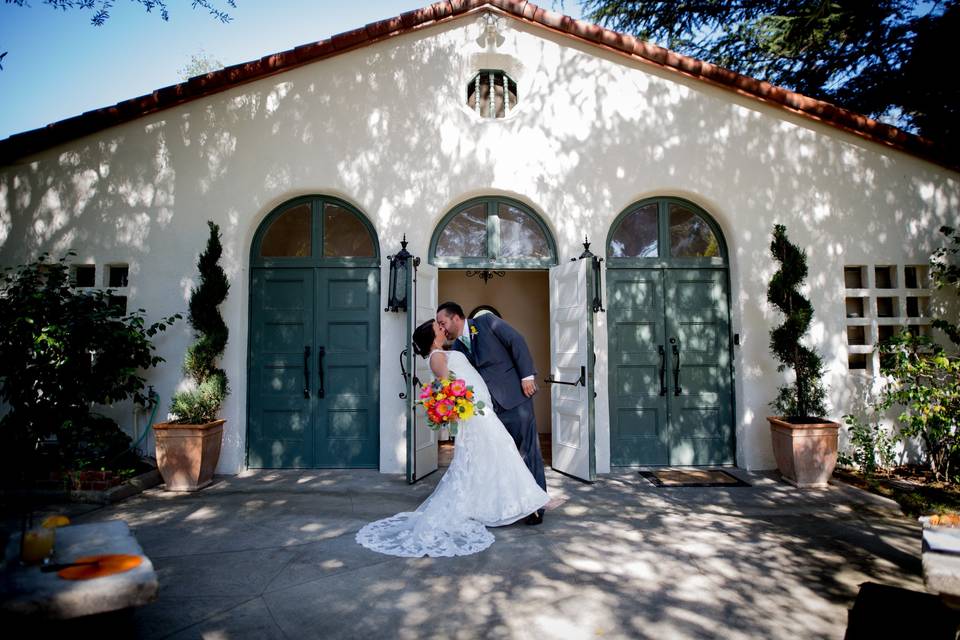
398,288
595,267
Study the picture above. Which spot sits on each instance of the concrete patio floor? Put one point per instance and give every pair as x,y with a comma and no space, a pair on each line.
271,554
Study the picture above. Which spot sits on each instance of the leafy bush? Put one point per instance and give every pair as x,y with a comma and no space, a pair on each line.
803,400
871,446
925,381
924,378
61,351
202,403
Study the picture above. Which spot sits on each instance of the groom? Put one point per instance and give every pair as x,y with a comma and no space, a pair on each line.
502,358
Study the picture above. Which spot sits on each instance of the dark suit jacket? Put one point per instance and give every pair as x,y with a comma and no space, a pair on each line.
501,356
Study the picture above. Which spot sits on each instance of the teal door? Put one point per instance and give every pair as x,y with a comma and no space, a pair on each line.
313,399
670,384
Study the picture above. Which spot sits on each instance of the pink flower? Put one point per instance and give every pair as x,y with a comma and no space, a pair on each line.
458,388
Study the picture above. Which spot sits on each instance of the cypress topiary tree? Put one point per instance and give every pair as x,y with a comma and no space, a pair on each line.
803,400
202,403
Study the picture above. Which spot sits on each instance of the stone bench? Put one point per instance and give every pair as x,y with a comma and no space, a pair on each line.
27,591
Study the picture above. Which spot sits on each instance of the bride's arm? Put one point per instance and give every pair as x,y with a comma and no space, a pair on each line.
438,364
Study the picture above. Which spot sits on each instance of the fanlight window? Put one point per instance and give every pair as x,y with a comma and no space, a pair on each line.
493,231
648,226
493,83
343,233
637,235
290,234
690,235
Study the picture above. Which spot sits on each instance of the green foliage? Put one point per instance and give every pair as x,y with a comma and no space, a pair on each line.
881,58
945,274
803,399
200,64
61,351
923,378
202,403
871,446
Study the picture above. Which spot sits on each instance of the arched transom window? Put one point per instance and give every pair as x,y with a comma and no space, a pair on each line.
666,229
492,231
315,228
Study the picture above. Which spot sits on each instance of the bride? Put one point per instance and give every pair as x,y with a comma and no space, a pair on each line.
486,485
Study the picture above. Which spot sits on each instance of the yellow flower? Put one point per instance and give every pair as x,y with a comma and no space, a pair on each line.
473,330
465,411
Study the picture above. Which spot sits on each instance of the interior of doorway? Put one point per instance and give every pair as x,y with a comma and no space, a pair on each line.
522,298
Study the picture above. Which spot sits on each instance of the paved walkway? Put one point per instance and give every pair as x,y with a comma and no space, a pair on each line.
272,555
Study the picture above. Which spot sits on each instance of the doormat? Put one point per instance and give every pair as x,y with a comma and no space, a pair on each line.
693,478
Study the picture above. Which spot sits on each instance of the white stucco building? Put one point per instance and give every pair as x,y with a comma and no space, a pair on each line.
318,161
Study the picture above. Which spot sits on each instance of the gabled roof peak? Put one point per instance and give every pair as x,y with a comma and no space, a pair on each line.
23,144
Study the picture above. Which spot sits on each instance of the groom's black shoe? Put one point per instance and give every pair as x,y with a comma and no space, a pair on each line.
533,519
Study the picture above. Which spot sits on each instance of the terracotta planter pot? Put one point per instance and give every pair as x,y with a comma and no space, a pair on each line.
187,454
806,453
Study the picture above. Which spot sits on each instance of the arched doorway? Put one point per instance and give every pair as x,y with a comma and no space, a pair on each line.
494,253
671,380
313,360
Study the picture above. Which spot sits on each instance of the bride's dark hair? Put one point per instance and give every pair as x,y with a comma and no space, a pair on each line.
423,339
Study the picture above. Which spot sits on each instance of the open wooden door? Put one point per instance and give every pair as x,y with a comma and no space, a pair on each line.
571,370
422,449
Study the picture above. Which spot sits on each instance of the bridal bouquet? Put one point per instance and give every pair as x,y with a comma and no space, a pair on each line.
448,402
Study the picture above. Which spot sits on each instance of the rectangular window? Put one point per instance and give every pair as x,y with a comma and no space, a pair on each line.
119,305
857,361
84,275
915,276
856,335
853,278
117,275
886,277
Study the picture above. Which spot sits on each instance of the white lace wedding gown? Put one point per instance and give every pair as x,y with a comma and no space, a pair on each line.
486,485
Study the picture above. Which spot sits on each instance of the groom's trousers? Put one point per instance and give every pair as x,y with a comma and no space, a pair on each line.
521,423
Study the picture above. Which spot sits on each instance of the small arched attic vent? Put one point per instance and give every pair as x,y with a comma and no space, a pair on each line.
504,94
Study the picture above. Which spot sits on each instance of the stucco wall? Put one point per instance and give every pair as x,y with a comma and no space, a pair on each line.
384,128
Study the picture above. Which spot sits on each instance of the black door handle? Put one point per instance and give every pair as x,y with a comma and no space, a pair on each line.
320,353
306,371
581,381
663,369
676,370
403,370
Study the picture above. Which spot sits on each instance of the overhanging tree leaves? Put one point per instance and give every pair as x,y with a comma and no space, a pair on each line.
881,58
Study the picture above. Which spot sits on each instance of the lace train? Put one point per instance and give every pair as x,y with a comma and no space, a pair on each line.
486,485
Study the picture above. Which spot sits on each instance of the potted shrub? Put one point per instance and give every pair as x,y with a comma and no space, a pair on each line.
804,443
188,446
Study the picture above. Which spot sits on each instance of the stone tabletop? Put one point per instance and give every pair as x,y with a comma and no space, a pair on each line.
941,566
28,591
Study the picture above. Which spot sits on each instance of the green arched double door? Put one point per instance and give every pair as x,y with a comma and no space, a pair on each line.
671,379
313,364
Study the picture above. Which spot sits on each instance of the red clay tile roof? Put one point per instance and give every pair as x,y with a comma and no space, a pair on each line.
23,144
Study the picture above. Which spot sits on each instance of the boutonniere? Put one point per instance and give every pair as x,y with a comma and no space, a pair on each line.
473,330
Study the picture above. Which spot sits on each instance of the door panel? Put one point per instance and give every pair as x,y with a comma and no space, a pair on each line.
280,430
639,421
348,354
698,324
573,442
423,449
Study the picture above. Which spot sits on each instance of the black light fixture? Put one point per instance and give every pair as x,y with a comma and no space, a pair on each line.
485,274
595,267
398,289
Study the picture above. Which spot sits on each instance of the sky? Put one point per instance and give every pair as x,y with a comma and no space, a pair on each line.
58,65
